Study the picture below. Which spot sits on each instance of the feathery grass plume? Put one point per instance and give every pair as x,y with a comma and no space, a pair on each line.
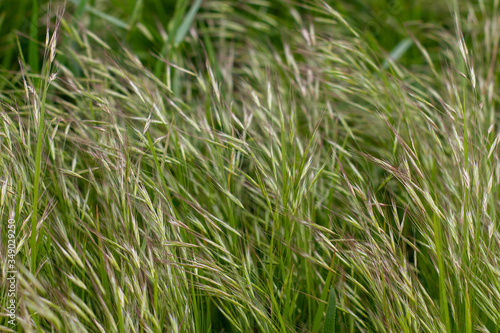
257,166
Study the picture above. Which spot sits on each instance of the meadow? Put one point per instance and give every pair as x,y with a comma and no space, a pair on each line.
249,166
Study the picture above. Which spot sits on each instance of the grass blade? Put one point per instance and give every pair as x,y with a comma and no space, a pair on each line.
329,326
187,22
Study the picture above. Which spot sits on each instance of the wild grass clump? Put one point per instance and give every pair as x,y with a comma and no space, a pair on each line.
252,167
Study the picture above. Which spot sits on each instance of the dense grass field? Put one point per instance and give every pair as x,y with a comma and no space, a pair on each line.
249,166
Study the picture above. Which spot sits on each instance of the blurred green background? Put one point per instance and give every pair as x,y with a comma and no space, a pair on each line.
144,25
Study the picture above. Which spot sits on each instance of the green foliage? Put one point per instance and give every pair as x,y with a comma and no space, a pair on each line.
251,166
329,326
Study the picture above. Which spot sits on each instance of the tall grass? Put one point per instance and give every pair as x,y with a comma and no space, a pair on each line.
254,167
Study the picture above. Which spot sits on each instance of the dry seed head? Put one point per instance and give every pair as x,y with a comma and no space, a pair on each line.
52,47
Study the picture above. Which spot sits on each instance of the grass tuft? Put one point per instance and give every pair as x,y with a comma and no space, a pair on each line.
257,166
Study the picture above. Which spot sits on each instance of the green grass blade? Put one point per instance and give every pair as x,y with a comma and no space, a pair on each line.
82,4
187,22
33,47
329,326
398,51
324,295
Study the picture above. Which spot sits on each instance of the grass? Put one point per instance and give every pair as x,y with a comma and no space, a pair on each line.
257,166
